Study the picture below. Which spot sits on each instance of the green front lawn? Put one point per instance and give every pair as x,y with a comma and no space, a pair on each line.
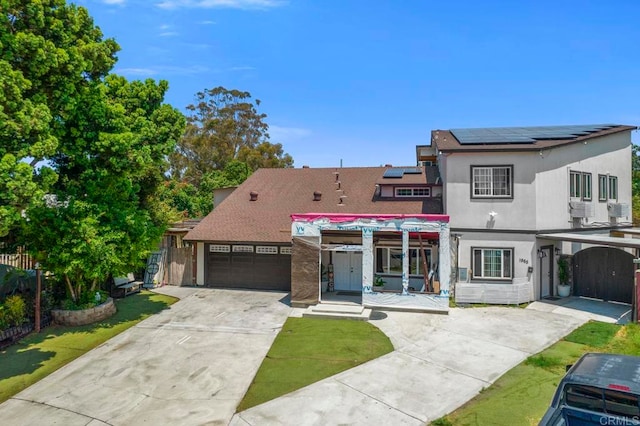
38,355
523,394
308,350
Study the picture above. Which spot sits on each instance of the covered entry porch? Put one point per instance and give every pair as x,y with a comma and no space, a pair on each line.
334,254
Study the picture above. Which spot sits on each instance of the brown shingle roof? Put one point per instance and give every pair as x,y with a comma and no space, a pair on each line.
445,141
282,192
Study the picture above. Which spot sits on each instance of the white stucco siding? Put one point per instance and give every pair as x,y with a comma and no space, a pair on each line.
473,213
540,185
524,252
608,155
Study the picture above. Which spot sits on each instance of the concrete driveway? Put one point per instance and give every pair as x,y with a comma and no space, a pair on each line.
439,363
189,365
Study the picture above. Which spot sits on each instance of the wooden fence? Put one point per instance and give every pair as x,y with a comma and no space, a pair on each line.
179,266
18,260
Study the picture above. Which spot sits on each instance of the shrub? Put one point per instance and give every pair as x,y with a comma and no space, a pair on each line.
15,310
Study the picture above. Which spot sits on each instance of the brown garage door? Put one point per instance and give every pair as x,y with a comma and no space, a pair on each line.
248,266
604,273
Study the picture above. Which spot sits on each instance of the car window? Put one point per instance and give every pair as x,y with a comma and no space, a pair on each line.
601,400
621,403
585,397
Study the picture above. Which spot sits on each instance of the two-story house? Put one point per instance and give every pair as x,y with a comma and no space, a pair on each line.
521,198
487,212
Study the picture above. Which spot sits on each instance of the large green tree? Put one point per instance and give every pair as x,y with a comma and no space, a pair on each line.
49,52
84,151
224,125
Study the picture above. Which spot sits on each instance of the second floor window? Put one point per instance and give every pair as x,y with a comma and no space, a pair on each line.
613,188
580,185
413,192
602,187
492,182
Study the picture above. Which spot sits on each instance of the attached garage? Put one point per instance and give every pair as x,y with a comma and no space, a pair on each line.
253,266
604,273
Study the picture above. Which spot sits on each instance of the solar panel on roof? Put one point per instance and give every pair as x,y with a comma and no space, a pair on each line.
393,173
413,170
524,135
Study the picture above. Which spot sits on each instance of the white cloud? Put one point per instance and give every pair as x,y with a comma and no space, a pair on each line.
136,71
169,34
113,1
162,70
207,22
241,68
282,133
211,4
164,26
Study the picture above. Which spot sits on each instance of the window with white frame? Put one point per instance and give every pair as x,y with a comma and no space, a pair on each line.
603,183
219,248
242,249
580,185
389,260
575,184
492,263
492,181
586,186
613,188
413,192
285,250
267,249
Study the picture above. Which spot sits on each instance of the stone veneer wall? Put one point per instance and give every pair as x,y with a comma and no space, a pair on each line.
84,316
305,271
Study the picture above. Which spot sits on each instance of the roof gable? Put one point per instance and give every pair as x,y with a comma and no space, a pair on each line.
282,192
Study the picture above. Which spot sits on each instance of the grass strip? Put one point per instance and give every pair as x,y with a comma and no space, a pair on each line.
40,354
308,350
523,394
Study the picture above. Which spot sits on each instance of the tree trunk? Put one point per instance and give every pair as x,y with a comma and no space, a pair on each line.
70,288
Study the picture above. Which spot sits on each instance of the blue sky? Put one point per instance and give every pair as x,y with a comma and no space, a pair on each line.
365,81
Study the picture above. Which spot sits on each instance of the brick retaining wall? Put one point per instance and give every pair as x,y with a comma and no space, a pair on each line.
84,316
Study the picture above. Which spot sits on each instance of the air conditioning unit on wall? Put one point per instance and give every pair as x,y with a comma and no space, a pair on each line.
618,209
581,209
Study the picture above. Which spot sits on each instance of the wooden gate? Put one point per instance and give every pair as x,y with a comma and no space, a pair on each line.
180,265
604,273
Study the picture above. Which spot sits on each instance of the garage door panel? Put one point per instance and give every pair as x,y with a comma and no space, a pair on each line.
249,270
604,273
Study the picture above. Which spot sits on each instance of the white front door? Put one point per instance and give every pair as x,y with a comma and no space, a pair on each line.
347,267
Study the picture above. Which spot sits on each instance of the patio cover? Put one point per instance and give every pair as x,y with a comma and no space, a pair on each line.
593,239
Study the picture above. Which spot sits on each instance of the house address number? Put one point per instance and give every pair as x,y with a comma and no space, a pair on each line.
522,260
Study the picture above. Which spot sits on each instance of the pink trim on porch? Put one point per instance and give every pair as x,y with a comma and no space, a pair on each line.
342,217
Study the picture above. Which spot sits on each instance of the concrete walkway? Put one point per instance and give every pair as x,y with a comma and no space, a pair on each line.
439,363
588,309
188,365
192,364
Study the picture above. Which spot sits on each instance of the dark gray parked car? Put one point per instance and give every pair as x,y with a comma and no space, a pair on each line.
599,389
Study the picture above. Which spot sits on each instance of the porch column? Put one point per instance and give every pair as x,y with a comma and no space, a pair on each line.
367,261
444,260
405,262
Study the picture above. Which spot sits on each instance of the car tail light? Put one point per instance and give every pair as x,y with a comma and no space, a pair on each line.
619,387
